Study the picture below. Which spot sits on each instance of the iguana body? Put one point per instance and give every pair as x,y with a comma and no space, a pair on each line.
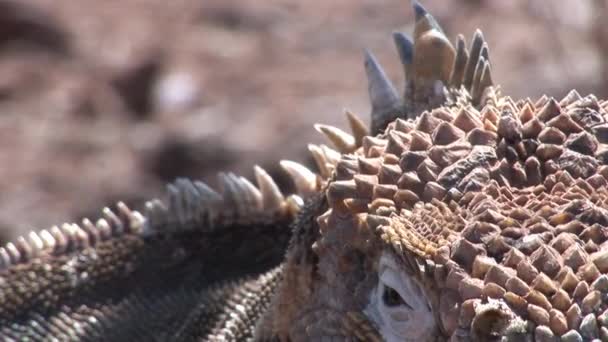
465,216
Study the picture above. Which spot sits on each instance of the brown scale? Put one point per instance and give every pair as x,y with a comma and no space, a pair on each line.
508,202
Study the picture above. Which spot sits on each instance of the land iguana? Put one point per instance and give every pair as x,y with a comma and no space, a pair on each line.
459,215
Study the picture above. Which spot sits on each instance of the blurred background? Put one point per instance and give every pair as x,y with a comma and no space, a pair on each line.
107,100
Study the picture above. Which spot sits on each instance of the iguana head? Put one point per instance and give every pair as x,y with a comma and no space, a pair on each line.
480,219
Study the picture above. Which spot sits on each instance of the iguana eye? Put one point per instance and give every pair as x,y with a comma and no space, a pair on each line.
392,298
399,305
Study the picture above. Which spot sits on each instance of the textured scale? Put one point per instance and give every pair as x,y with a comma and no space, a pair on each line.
163,274
487,216
499,218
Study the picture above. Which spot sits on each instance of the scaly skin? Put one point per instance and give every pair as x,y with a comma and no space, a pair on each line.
464,216
175,271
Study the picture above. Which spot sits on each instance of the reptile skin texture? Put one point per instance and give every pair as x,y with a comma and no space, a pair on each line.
458,214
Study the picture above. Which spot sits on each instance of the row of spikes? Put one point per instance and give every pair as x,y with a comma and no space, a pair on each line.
70,237
344,142
432,66
191,204
194,204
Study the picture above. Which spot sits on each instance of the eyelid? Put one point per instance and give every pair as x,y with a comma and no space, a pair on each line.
387,263
391,279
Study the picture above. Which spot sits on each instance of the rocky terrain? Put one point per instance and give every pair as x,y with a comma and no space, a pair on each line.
108,100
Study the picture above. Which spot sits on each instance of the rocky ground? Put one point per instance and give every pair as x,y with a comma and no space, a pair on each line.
107,100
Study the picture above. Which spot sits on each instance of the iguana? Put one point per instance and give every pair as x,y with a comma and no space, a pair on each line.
460,215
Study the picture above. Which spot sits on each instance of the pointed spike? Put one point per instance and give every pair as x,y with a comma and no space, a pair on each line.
486,76
36,241
246,200
254,194
433,58
422,15
485,52
272,197
82,238
405,48
320,160
541,101
339,191
207,194
526,114
91,231
13,252
475,85
331,156
369,166
25,249
357,126
485,81
305,180
550,110
382,93
189,196
474,54
134,223
70,236
572,97
480,84
460,63
138,222
209,201
101,224
176,208
156,217
115,222
419,10
343,141
294,204
229,191
48,239
5,259
61,242
123,209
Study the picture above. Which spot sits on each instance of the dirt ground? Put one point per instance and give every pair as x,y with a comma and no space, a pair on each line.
107,100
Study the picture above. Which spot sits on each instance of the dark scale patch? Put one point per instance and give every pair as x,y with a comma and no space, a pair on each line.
587,117
480,156
579,165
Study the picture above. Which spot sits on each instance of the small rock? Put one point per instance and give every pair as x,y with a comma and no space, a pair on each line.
176,91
